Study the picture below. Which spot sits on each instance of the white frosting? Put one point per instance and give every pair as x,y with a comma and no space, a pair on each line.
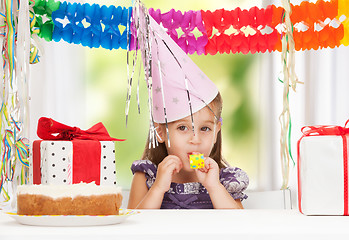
59,191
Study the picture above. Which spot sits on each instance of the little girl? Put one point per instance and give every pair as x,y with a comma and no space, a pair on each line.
164,178
185,98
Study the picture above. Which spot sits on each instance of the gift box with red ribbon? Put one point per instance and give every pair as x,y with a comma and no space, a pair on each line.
68,155
323,170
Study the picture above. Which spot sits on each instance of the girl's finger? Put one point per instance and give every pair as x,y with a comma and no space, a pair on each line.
207,164
169,160
175,166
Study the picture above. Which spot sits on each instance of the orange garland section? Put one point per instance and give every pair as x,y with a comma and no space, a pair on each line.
311,13
316,13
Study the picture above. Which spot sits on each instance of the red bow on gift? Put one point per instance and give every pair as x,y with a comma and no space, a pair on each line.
49,129
325,130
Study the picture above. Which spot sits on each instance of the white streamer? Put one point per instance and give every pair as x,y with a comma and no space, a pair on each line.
290,79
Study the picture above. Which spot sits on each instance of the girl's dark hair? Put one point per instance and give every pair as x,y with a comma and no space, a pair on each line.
156,155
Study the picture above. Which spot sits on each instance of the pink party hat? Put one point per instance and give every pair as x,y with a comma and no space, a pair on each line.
179,76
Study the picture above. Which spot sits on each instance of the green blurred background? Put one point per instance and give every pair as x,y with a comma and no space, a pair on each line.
236,76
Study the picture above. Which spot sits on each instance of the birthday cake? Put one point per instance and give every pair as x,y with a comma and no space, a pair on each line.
75,199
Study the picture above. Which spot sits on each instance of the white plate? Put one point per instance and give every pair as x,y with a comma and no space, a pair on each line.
71,220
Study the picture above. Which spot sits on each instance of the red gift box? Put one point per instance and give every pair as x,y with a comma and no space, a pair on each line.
70,155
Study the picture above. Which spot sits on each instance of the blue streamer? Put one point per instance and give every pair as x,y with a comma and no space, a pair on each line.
92,26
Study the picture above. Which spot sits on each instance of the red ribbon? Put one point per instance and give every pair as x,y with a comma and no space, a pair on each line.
327,130
49,129
36,162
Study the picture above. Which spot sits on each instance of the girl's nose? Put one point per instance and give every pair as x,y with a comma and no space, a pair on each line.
195,138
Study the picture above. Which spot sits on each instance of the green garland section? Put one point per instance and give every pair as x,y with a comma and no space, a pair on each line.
42,17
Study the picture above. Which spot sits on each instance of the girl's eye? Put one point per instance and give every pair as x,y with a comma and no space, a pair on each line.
182,128
205,129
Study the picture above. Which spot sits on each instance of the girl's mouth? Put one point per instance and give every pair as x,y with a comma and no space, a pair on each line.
192,153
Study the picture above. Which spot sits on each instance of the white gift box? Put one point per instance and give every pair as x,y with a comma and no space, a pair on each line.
323,174
55,163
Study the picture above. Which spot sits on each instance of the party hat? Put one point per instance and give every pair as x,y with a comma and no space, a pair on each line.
179,87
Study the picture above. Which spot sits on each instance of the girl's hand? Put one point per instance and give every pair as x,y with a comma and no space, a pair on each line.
169,166
209,175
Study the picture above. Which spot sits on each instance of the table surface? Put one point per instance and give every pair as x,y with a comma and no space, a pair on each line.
189,224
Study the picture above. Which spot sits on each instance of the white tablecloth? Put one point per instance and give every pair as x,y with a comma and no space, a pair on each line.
191,224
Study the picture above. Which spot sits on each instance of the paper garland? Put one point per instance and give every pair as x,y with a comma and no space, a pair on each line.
317,25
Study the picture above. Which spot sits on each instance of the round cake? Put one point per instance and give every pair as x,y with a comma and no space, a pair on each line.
75,199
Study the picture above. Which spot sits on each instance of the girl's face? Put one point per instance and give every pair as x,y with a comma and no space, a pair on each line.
183,142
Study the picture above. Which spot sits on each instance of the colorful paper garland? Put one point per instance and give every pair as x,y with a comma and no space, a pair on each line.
251,30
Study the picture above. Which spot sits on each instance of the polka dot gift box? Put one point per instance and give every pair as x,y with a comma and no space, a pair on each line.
69,155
